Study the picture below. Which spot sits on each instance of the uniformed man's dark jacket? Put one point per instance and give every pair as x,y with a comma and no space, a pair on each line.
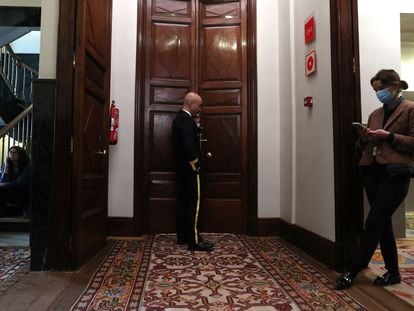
186,143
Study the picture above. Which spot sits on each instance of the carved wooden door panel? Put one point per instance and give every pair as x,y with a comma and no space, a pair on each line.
222,85
169,75
90,128
195,46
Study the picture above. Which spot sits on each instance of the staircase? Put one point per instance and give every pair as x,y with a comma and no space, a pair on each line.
17,133
16,74
16,89
16,110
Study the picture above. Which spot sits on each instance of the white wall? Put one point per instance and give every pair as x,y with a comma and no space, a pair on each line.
379,44
286,98
268,109
295,143
48,39
121,156
314,208
27,3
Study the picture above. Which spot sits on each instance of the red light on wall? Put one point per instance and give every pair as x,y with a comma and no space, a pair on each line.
308,101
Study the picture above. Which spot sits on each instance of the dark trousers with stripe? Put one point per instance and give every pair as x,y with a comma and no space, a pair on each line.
188,208
385,195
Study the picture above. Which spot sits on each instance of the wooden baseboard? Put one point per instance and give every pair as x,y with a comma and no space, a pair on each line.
121,226
316,246
268,226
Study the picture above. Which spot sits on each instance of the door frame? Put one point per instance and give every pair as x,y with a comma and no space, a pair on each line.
349,211
61,240
140,209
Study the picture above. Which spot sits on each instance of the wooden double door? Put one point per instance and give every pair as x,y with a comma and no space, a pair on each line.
195,46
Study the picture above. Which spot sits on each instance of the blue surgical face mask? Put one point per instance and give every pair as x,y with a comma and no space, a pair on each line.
385,96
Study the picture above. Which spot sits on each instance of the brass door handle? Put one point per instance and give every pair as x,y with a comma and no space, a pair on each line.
203,140
100,152
209,155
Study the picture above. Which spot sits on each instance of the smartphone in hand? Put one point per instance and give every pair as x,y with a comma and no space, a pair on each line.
359,126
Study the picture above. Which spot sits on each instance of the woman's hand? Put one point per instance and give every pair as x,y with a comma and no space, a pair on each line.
378,134
363,133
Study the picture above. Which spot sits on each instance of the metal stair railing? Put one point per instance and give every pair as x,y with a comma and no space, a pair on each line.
17,133
17,75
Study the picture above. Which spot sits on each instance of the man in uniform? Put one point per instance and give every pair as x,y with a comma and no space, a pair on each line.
186,144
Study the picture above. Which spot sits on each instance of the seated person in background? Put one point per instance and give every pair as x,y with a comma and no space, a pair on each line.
15,182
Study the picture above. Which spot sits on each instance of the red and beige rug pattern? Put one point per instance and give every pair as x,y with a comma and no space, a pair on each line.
11,260
409,224
404,290
118,282
242,273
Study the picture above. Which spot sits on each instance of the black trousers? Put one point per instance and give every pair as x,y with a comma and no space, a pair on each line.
3,199
188,207
16,197
385,195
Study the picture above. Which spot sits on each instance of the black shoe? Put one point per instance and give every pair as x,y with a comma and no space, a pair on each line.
387,279
344,281
201,239
201,247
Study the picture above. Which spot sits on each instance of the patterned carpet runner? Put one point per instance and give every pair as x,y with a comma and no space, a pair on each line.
11,259
409,224
404,290
242,273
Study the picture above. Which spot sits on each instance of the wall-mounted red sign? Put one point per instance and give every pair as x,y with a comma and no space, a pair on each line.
310,30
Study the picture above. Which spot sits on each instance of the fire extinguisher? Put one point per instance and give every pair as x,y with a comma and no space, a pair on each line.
113,132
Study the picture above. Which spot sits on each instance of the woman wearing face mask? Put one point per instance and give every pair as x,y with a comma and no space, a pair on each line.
386,165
